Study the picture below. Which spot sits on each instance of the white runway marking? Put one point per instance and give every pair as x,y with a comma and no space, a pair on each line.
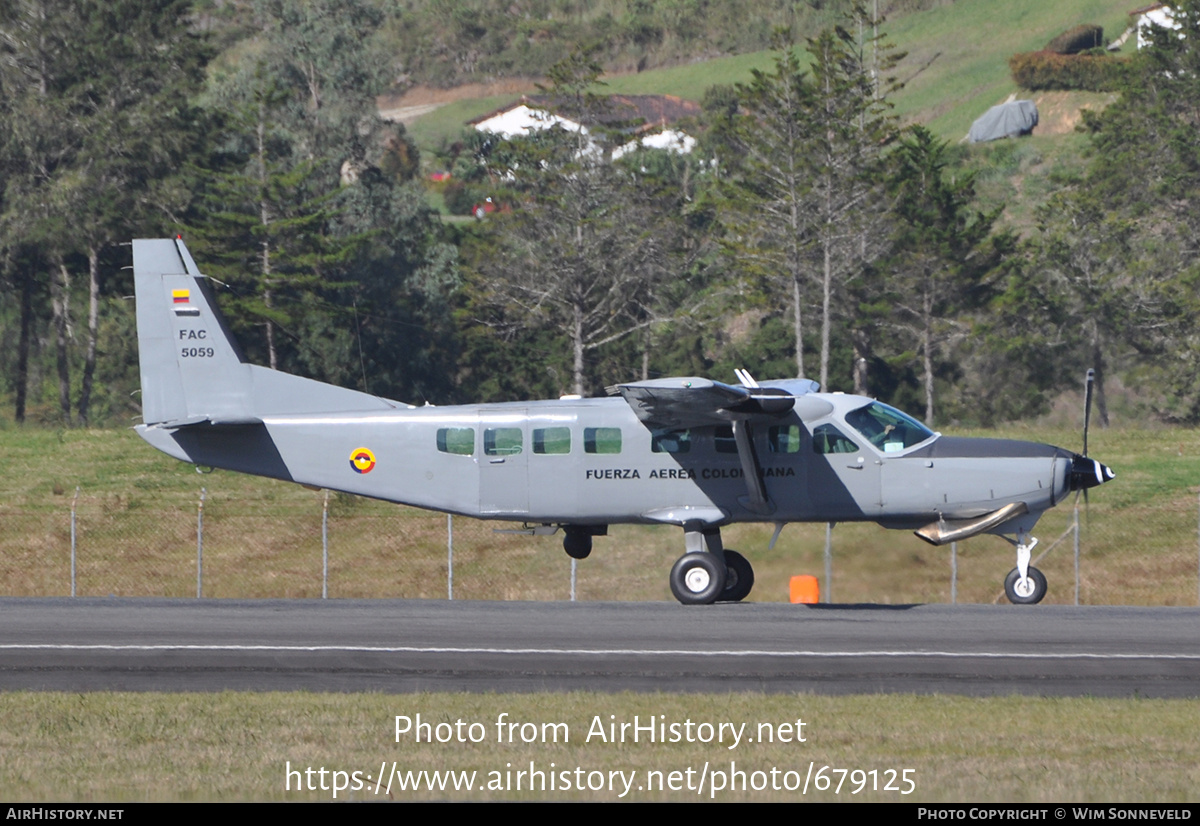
653,652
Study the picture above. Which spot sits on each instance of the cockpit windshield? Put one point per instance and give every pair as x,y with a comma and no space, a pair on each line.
887,428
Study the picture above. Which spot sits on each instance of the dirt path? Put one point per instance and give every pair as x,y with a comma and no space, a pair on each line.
421,100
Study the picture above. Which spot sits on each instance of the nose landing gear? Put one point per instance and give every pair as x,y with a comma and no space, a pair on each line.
1025,585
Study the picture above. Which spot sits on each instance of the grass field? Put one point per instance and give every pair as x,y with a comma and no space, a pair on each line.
233,747
136,520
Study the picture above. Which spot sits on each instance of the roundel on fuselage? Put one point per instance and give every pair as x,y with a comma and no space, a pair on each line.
362,460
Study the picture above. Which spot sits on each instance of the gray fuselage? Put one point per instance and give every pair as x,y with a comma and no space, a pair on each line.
591,461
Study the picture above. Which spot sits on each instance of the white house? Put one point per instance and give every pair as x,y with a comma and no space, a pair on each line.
645,118
1156,14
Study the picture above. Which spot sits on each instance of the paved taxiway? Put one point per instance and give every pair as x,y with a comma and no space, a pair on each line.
418,645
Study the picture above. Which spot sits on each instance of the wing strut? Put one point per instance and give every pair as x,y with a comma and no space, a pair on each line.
756,493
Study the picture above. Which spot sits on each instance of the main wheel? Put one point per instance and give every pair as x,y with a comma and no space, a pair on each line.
697,579
1029,592
739,577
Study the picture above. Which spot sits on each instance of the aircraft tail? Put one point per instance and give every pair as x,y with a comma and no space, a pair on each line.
192,369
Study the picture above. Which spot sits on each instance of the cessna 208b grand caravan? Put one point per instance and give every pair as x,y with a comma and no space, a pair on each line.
689,452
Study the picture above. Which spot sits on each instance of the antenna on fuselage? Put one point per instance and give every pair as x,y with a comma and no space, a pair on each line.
744,377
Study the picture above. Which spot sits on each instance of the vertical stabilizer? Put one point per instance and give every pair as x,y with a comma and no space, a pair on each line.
192,369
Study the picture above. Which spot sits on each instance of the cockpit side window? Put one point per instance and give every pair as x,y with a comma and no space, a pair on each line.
723,439
784,438
828,439
887,428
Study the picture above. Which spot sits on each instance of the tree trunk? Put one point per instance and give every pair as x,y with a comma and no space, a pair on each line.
927,355
646,355
264,216
862,361
797,326
23,346
1098,366
826,312
577,343
59,300
89,361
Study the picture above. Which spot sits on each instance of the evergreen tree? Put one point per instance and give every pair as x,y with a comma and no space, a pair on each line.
942,254
93,101
584,252
805,198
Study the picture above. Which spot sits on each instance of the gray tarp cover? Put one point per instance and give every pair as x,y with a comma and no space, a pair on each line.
1006,120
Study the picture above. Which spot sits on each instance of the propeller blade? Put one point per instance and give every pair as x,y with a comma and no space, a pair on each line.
1089,386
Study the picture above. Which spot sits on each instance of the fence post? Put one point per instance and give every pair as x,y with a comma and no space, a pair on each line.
74,503
828,562
954,573
449,556
325,547
1076,552
200,546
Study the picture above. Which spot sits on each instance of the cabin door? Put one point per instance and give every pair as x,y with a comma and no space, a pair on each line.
504,462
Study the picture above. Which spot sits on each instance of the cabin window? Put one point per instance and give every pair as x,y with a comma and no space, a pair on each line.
887,428
552,440
784,438
723,439
602,440
671,441
828,439
502,441
459,440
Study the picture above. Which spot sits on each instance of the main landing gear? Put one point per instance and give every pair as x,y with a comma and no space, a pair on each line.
708,573
1025,585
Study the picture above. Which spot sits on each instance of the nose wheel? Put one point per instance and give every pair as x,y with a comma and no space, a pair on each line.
1025,585
1027,590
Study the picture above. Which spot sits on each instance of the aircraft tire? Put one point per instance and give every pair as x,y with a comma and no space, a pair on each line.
1034,591
739,578
697,579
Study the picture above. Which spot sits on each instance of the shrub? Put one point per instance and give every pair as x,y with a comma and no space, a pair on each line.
1078,39
1050,70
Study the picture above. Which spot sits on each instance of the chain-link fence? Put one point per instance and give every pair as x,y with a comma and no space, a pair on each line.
285,542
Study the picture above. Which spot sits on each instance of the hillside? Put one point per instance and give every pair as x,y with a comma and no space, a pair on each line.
955,67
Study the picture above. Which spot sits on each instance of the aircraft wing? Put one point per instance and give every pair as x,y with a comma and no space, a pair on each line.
678,403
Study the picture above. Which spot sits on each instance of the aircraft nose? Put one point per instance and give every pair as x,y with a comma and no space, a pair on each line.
1088,473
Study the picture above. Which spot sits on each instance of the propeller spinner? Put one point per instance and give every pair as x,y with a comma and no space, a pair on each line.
1088,473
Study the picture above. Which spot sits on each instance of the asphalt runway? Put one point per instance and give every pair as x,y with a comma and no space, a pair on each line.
399,646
